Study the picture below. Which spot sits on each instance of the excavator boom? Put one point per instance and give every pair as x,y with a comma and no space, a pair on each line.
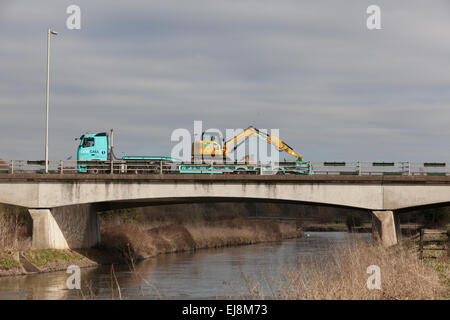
252,131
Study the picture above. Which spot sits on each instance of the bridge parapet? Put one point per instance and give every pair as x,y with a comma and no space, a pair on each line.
143,166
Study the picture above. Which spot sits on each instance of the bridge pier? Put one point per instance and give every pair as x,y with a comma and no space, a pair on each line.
65,227
386,227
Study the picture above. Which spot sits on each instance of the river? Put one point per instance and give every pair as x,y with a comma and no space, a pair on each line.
204,274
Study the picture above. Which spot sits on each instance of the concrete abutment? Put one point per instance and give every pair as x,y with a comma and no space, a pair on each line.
65,227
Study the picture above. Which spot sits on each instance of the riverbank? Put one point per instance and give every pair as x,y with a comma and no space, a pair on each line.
130,242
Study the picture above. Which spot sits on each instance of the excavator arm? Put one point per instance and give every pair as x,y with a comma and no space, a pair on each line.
252,131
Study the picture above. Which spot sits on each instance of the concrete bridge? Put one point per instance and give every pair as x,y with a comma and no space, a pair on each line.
64,206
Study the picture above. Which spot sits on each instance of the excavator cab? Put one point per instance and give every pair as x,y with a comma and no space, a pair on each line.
209,148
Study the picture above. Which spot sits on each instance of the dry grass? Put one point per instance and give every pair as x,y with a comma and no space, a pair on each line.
172,238
233,232
15,231
239,231
342,275
290,230
127,241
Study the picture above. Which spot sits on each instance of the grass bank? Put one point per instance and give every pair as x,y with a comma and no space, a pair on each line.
14,262
9,264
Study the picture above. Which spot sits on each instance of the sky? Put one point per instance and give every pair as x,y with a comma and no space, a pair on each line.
312,69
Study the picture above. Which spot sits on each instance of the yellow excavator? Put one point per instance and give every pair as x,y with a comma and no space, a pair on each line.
209,146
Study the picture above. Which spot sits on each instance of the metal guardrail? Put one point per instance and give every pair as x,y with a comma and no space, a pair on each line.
401,168
361,168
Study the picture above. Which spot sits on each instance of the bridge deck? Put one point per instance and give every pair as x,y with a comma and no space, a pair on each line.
375,179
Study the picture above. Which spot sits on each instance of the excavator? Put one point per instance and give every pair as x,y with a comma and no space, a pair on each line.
209,149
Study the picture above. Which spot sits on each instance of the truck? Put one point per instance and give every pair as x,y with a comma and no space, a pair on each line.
95,154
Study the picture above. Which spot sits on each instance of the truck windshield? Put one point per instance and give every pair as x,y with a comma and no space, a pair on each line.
88,142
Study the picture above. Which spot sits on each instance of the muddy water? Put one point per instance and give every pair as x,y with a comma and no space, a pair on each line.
205,274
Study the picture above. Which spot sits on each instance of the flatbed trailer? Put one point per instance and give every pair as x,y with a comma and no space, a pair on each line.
245,168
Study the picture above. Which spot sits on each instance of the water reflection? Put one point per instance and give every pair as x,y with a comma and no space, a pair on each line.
205,274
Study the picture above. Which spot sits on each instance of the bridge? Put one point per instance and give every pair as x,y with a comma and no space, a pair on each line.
64,206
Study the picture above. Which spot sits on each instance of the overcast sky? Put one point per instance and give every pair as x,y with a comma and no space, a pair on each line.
336,90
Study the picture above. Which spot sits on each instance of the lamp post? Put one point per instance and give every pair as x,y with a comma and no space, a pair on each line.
49,32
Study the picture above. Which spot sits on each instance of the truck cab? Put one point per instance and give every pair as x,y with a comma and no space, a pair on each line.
95,149
92,147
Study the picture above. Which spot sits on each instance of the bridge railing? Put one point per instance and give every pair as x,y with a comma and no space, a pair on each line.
363,168
381,168
144,167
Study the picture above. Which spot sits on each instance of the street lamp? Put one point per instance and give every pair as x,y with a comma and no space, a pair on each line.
49,32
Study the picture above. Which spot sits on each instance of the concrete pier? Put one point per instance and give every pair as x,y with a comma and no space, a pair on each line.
386,227
65,227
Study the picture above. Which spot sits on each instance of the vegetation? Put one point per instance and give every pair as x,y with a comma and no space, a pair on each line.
45,256
7,261
436,255
15,227
403,276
